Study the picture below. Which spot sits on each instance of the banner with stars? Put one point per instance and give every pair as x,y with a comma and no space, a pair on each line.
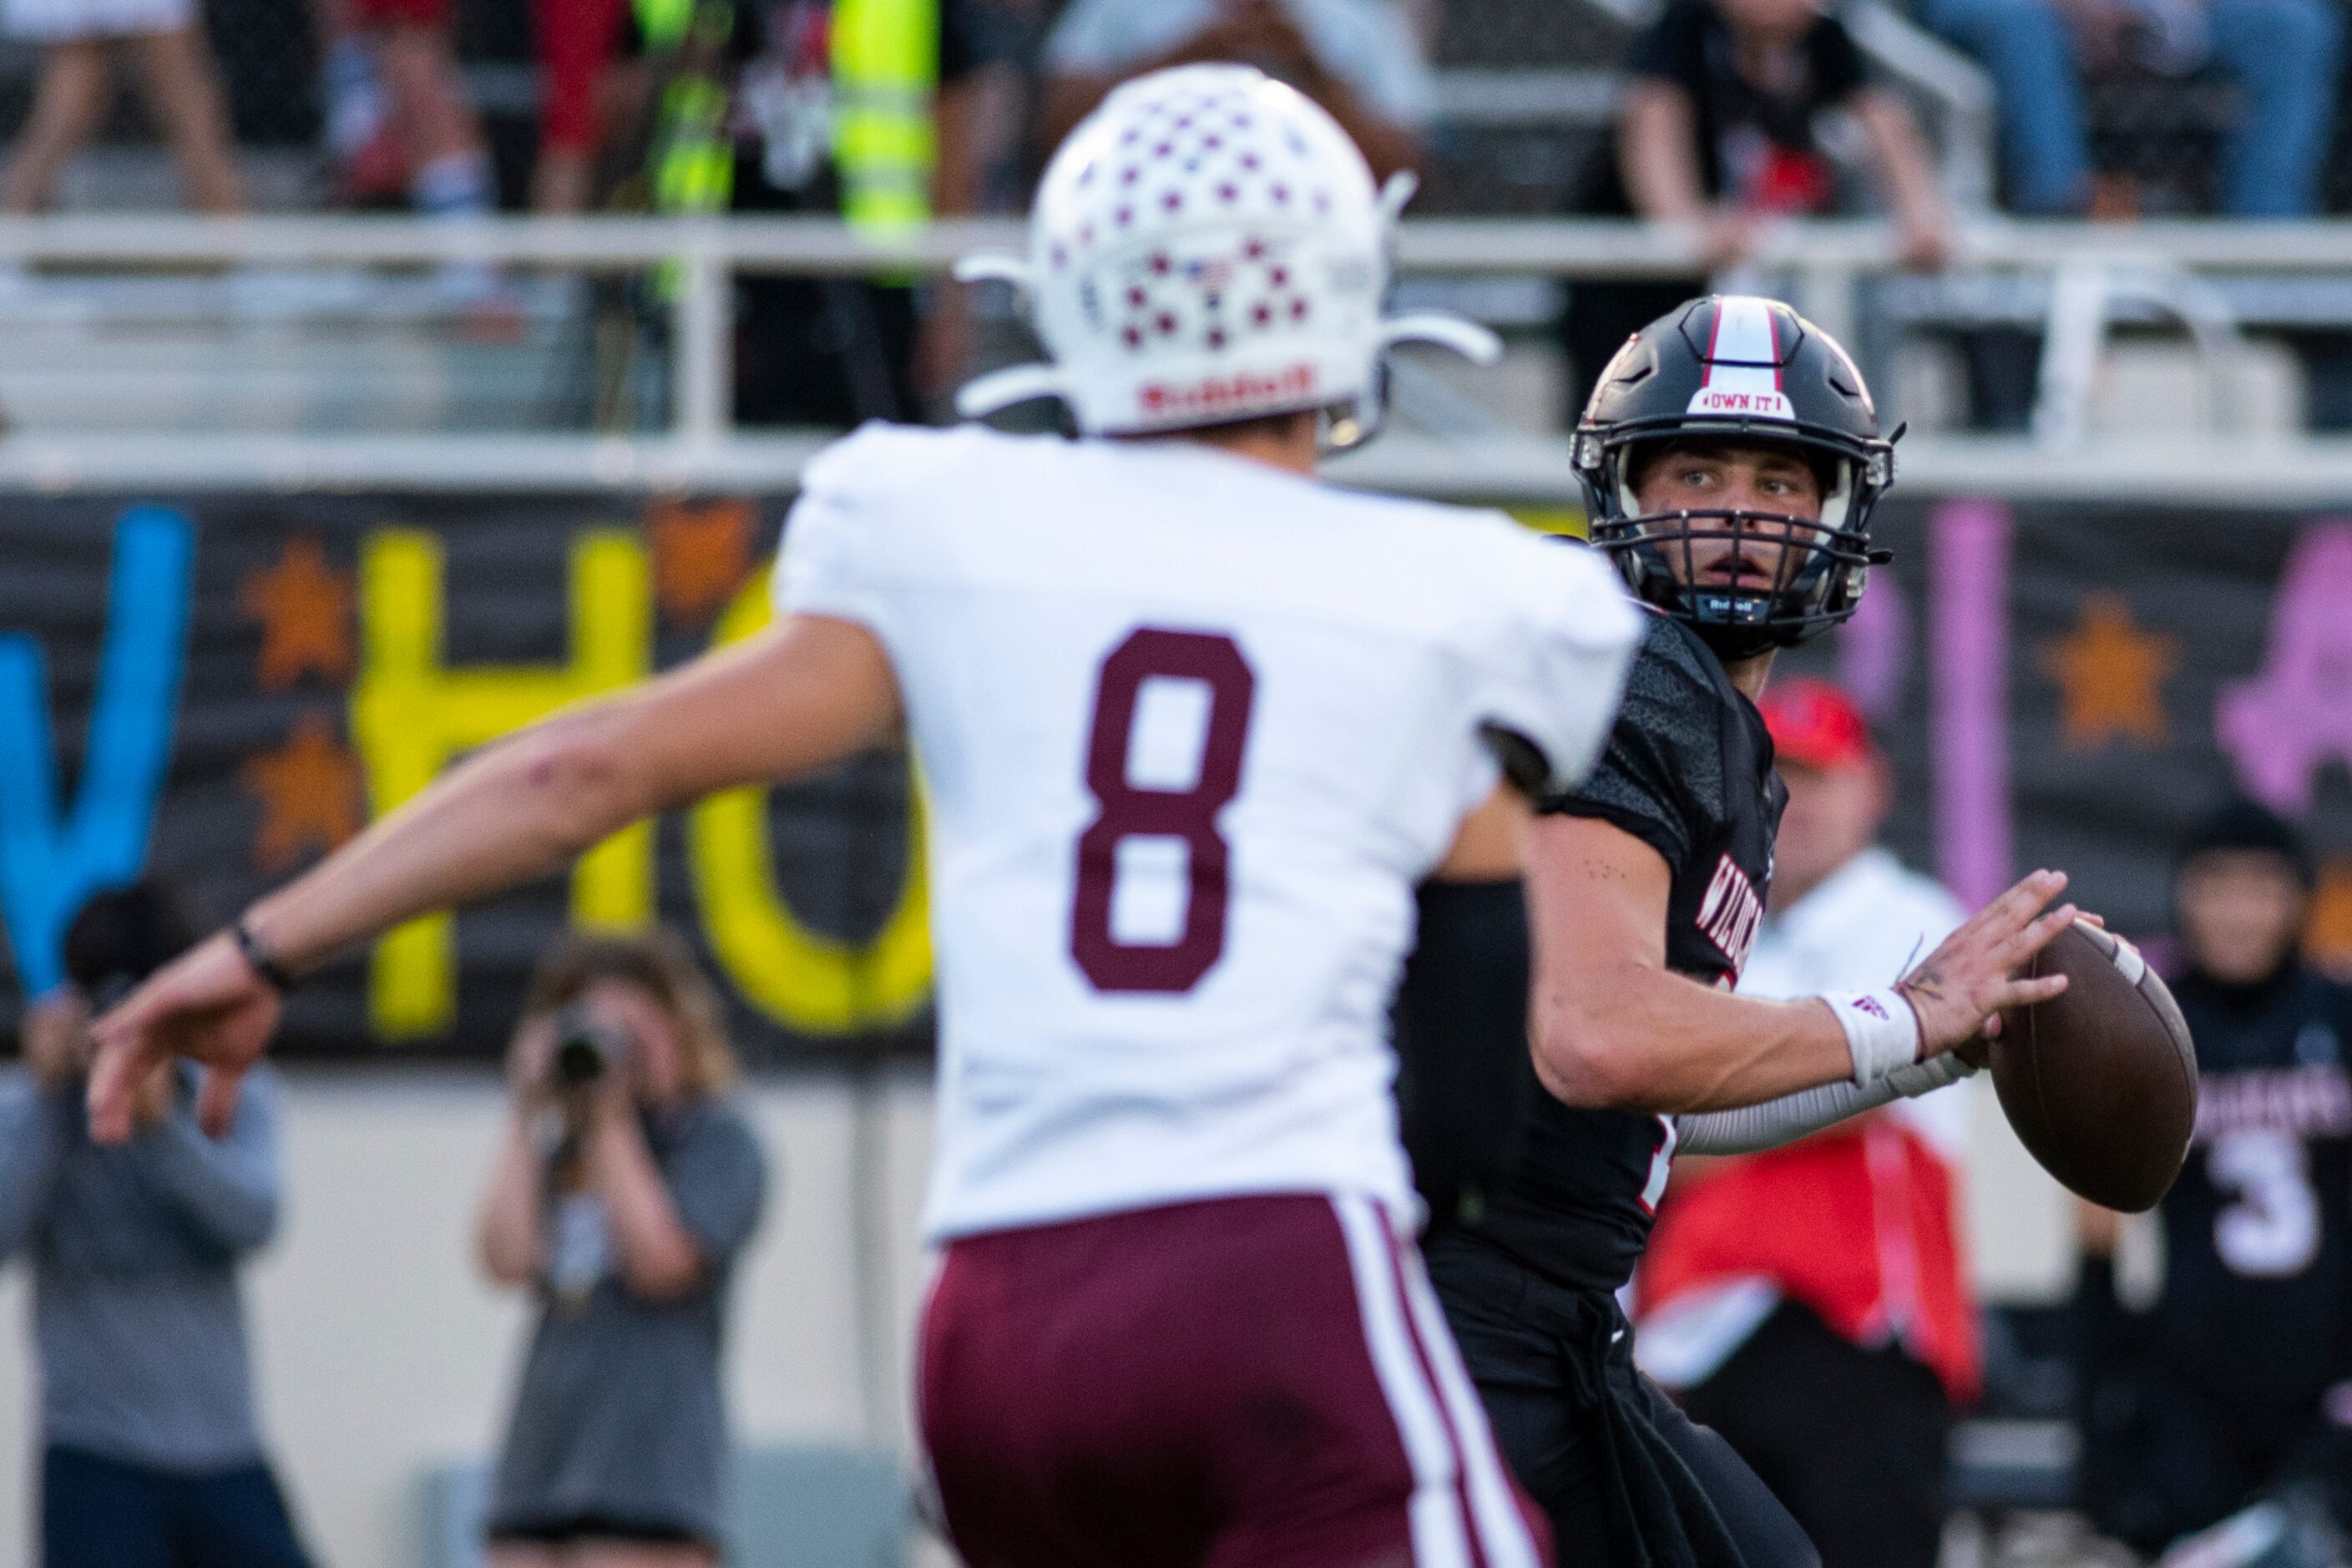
2070,685
225,687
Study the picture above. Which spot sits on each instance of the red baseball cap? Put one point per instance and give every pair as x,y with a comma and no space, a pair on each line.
1815,725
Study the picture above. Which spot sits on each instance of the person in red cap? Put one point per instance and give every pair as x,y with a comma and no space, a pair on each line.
1812,1303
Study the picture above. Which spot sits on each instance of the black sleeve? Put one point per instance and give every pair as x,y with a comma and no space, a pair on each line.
1674,48
1661,776
1463,1074
1839,71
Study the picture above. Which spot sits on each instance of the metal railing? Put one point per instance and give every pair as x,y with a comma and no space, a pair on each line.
1828,262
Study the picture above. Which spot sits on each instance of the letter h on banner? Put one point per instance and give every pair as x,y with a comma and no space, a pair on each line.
411,715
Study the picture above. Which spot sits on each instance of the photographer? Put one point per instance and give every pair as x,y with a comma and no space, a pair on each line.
624,1190
151,1456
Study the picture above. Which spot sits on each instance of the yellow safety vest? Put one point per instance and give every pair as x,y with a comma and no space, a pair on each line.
886,72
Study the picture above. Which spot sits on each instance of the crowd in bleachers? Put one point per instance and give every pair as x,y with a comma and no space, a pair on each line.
390,90
1726,113
394,92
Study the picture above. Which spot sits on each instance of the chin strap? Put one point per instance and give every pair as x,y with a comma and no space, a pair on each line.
1347,428
1466,338
1396,193
1003,388
997,268
1016,384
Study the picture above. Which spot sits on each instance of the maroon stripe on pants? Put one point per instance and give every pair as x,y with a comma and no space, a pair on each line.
1188,1386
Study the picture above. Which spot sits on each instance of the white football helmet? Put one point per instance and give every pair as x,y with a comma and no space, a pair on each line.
1207,247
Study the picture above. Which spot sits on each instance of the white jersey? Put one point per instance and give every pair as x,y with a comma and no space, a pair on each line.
1866,925
1190,730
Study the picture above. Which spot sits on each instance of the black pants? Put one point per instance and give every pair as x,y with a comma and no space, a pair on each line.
1628,1481
2163,1458
99,1513
1851,1440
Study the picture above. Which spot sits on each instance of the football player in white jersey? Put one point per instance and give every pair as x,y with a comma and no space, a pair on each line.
1192,728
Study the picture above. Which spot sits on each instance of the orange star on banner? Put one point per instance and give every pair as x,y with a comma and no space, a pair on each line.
304,607
702,554
2328,931
310,791
2112,675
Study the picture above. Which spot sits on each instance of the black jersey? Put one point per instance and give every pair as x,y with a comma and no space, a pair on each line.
1688,771
2257,1304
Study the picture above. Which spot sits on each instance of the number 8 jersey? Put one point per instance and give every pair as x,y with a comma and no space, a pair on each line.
1189,729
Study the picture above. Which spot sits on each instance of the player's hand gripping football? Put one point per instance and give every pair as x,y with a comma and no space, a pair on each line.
208,1005
1961,989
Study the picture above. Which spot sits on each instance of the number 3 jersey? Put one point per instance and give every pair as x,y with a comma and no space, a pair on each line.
1190,730
2257,1302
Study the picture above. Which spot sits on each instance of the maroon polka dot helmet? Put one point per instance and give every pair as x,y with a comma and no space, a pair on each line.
1208,246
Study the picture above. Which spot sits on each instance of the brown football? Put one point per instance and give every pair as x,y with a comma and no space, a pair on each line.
2100,1081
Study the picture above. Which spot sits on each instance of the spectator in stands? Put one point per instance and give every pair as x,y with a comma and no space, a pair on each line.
1360,59
2284,53
355,126
151,1455
79,40
1812,1303
2232,1388
983,115
625,1188
396,61
1717,131
576,41
838,351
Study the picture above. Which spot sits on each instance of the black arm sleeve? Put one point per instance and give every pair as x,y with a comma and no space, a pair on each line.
1464,1073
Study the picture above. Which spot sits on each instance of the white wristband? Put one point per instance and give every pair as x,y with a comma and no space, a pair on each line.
1881,1031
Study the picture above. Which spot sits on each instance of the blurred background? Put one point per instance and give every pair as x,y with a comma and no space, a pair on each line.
378,375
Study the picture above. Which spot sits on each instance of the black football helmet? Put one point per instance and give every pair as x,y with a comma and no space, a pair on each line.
1737,368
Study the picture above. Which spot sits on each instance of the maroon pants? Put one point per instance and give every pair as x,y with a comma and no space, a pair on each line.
1243,1383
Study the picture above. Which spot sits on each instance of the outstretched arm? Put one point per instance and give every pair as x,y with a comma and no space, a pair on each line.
808,691
1615,1027
1908,174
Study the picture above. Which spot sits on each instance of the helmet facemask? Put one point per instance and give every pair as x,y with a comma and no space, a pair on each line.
1791,576
1743,371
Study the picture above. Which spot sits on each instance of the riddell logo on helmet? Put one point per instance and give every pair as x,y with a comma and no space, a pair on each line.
1753,405
1223,393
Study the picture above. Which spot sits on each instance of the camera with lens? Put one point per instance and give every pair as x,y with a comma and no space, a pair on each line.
586,1048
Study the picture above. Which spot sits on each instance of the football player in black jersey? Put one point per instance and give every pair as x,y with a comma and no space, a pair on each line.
1732,458
2228,1389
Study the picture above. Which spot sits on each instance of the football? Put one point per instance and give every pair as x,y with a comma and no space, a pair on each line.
2100,1081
